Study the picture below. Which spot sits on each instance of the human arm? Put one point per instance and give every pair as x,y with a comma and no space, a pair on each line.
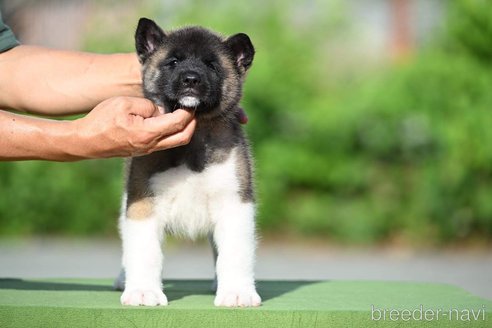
117,127
56,82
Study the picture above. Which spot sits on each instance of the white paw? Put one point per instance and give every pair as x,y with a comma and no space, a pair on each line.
237,298
138,297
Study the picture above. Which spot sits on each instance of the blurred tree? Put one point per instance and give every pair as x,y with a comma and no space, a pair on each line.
470,28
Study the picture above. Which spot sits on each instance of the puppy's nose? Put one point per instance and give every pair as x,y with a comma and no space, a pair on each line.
190,79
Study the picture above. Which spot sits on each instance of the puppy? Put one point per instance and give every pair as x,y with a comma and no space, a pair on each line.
204,187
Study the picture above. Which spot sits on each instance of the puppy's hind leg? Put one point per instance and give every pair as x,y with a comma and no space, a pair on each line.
119,282
215,255
234,236
142,260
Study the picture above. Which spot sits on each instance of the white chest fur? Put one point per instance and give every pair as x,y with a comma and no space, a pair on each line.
184,200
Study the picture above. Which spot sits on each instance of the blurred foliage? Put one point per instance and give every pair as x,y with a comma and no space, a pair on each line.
71,198
402,154
470,25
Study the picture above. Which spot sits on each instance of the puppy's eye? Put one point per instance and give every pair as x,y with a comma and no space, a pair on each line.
172,62
210,64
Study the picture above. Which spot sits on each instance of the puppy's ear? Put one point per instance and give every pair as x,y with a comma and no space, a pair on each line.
242,49
147,38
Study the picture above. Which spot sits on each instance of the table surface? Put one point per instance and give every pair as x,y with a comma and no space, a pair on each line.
92,302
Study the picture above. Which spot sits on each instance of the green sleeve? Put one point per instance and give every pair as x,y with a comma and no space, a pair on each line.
7,38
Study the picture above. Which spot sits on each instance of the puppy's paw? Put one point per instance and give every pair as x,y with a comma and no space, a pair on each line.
138,297
237,298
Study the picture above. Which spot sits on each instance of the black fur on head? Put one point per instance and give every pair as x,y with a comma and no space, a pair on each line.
193,67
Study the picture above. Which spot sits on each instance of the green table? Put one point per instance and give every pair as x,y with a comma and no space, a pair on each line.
92,303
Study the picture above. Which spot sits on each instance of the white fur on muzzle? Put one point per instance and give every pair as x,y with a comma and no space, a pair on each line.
189,101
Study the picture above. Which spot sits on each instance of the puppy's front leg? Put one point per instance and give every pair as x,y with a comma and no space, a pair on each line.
234,237
142,261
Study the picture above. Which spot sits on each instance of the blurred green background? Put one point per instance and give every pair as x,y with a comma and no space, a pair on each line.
354,143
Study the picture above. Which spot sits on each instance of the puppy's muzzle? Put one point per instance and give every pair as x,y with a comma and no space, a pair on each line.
190,83
190,79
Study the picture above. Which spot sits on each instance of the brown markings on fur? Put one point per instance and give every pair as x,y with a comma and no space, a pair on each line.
151,73
231,87
140,209
151,66
244,173
157,57
139,203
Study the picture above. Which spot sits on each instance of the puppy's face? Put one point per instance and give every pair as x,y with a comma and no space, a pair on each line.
192,67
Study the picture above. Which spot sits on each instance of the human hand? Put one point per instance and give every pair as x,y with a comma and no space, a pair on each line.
128,126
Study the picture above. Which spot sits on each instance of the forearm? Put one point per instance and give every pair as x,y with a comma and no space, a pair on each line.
55,82
117,127
23,138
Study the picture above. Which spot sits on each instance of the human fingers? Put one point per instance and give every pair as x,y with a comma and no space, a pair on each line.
181,138
170,123
137,106
160,111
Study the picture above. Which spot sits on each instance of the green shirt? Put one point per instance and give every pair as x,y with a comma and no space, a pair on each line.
7,38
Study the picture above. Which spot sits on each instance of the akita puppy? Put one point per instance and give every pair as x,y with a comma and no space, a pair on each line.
205,187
